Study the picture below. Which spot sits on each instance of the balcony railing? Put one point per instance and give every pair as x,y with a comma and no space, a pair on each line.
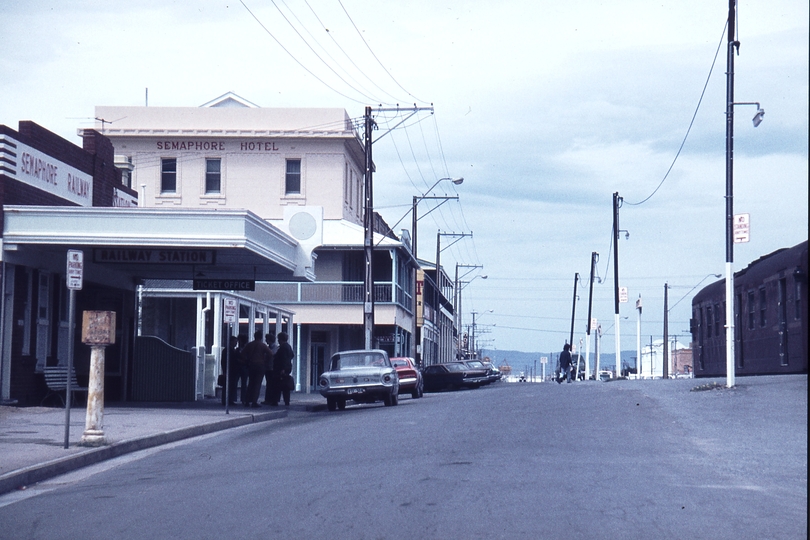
336,292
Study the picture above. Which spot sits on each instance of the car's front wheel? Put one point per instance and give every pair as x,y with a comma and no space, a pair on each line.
331,404
341,404
395,399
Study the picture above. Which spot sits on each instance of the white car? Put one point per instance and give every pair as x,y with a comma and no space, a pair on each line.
363,376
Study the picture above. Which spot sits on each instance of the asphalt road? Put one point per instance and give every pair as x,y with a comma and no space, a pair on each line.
627,459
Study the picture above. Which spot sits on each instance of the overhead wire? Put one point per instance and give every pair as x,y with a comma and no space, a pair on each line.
691,123
375,56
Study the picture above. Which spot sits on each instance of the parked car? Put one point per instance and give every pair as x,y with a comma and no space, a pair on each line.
363,376
493,373
449,376
477,371
410,378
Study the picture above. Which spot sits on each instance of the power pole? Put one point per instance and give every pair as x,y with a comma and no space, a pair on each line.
666,331
616,200
594,258
574,311
368,241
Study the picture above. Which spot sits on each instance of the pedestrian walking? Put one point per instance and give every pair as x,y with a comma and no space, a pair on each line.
239,370
565,364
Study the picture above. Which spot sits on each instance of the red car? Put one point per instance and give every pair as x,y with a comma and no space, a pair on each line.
410,378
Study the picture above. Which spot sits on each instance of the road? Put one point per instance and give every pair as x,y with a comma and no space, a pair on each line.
627,459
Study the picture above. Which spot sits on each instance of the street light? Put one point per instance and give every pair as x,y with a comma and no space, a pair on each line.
733,45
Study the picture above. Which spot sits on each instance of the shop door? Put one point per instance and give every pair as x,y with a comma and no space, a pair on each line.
318,356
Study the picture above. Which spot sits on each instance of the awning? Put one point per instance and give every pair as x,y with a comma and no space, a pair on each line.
153,243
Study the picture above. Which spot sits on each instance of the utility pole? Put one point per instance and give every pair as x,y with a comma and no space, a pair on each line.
438,288
732,45
594,258
638,338
368,240
666,331
574,311
616,200
368,218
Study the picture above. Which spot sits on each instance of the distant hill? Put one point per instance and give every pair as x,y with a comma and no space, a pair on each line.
523,361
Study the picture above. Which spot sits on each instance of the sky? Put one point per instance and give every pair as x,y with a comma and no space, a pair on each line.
544,108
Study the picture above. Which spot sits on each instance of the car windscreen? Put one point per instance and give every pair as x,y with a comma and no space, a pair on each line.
454,367
356,360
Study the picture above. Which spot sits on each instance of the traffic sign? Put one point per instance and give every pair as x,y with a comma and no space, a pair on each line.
229,310
742,229
75,269
623,295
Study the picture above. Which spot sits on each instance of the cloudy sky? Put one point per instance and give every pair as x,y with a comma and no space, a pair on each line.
545,108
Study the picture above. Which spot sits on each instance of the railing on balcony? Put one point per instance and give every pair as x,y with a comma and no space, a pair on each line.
336,292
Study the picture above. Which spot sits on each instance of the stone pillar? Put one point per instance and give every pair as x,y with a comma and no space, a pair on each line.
94,423
98,331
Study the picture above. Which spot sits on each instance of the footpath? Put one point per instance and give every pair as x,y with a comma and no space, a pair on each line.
32,439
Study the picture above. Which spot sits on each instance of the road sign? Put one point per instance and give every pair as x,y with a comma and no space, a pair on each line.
742,230
75,269
623,295
229,310
544,359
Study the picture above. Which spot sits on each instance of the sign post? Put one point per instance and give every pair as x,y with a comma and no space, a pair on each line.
75,279
229,312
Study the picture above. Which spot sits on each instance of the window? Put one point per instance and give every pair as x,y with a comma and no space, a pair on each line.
292,180
797,298
717,313
709,321
168,175
213,175
752,309
762,306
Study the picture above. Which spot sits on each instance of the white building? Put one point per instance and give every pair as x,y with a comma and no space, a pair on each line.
302,171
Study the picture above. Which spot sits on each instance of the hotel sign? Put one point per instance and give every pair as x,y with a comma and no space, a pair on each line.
39,170
153,256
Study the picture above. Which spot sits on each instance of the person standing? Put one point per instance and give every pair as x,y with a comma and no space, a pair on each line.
239,370
282,367
258,356
565,364
269,374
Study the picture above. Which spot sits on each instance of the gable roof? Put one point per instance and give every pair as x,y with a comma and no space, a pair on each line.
229,99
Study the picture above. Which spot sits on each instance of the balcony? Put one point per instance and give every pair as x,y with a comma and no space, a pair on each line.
335,292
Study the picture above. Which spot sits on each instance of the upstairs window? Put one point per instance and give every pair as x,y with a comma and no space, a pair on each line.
292,179
213,175
168,175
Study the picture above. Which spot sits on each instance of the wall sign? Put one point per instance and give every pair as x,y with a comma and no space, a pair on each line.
39,170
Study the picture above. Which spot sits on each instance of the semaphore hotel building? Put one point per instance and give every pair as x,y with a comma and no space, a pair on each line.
300,170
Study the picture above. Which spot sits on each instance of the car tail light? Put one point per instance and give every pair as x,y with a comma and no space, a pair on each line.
387,378
324,382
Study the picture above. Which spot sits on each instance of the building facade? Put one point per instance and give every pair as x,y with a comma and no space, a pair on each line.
301,170
57,198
